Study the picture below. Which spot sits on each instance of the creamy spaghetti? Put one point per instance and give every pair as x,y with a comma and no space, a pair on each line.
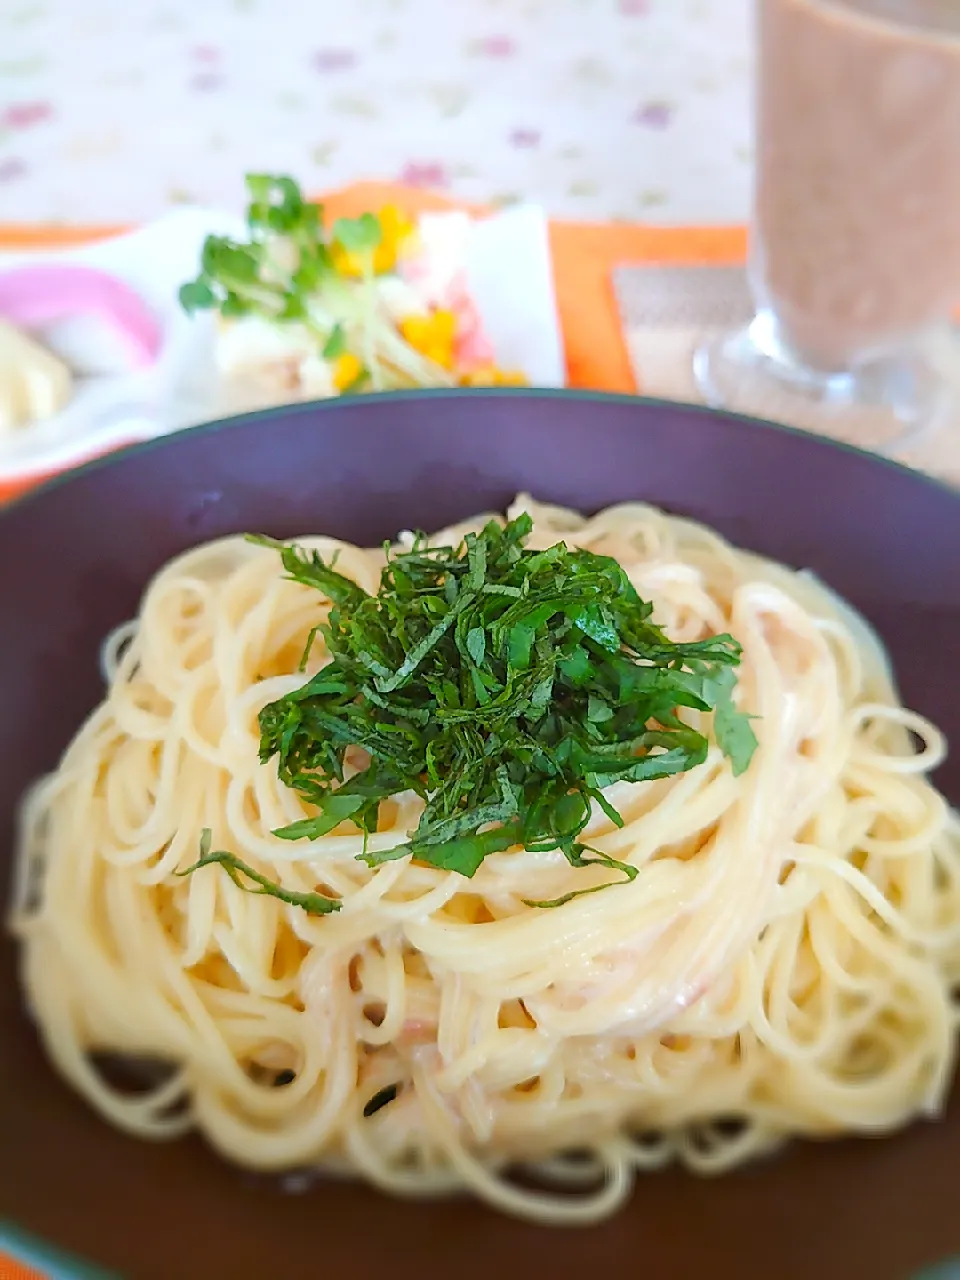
782,964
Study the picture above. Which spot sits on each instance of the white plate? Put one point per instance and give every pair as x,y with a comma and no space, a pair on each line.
106,408
508,270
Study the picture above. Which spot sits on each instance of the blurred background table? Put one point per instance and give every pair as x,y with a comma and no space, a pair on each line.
633,110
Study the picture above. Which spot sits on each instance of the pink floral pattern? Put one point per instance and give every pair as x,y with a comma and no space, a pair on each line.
525,138
499,46
656,115
21,115
334,59
417,173
206,82
598,109
12,168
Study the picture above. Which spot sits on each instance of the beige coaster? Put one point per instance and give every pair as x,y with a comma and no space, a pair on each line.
668,311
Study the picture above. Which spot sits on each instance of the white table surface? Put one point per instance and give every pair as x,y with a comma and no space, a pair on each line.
599,109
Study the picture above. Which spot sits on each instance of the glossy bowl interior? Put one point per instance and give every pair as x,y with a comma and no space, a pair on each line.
73,561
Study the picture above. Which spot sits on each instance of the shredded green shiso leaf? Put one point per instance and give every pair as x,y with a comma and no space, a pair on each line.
504,686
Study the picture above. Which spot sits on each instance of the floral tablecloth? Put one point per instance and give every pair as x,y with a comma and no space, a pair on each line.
636,110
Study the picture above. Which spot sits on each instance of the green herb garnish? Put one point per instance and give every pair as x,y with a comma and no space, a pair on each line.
314,904
336,343
358,235
504,686
285,261
286,272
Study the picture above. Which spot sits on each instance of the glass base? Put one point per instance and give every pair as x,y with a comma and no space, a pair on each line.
885,403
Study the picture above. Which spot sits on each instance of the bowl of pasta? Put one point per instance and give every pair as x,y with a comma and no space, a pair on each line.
510,816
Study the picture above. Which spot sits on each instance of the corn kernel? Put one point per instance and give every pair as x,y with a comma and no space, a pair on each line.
489,375
346,370
345,262
416,330
440,353
395,223
444,325
384,257
352,264
432,336
482,376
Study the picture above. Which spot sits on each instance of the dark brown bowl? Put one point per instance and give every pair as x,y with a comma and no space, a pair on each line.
74,558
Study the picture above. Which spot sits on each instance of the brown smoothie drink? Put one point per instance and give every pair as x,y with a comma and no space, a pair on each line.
856,241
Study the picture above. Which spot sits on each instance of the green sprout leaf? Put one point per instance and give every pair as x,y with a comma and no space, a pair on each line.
358,235
336,344
197,295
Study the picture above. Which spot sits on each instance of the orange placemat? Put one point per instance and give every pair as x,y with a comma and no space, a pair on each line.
11,1269
27,1258
584,256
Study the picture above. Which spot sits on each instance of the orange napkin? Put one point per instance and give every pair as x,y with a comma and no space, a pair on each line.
584,256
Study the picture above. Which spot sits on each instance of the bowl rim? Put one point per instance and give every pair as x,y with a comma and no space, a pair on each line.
115,456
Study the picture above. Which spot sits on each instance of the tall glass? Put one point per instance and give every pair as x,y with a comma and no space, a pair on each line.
855,243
